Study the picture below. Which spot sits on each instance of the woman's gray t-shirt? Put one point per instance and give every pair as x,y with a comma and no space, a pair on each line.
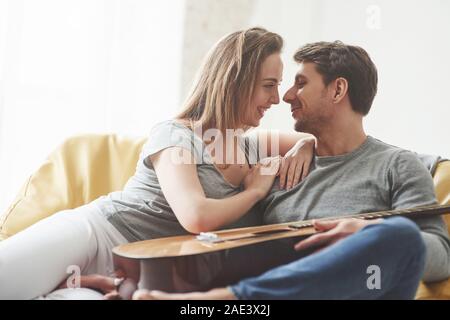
141,211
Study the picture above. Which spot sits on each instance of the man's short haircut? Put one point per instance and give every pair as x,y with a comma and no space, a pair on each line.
336,59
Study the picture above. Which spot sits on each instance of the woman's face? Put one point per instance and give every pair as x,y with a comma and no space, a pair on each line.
265,92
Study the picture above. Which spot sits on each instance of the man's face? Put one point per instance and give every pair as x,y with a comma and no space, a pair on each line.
309,100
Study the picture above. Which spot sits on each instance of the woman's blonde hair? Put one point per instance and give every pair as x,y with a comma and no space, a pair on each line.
225,83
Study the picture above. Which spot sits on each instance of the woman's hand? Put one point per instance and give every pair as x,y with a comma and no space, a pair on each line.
295,164
262,176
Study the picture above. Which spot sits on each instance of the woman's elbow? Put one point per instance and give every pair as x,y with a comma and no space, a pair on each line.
196,227
194,221
192,227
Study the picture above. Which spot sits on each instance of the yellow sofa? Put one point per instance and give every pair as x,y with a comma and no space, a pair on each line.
82,169
86,167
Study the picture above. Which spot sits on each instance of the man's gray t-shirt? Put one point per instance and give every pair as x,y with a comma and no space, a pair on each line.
141,211
374,177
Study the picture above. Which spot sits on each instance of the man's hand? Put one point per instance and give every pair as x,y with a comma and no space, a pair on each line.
331,231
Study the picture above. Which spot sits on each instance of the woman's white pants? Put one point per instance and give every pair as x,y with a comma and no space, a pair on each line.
71,242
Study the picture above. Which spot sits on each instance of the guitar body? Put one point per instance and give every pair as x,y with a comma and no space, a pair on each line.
189,263
183,263
206,271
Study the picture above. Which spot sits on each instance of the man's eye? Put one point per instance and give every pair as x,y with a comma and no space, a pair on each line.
301,84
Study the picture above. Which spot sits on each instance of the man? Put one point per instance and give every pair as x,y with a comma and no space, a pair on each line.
352,173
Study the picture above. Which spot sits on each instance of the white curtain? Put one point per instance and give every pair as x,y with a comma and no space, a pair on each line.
82,66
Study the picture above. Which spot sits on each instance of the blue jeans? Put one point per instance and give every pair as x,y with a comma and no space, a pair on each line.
393,251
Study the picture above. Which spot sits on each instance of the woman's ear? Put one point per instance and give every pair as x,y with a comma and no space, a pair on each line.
340,89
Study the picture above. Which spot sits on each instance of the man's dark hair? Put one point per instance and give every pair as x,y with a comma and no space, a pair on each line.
336,59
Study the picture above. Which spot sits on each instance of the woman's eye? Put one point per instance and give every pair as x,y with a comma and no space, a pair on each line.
269,86
301,84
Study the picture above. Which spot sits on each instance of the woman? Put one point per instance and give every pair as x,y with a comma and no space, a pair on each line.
214,188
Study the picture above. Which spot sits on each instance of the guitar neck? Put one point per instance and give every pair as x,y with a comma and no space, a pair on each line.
188,245
411,213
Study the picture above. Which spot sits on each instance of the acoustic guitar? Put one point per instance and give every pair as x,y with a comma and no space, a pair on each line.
202,262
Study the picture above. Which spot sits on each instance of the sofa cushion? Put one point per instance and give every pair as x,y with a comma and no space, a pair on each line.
439,290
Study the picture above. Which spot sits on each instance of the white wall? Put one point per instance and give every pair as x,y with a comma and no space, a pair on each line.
294,21
410,46
411,50
208,20
409,41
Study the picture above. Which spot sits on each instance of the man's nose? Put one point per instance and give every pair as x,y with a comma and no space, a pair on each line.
289,96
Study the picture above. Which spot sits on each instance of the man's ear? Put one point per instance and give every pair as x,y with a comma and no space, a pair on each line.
340,89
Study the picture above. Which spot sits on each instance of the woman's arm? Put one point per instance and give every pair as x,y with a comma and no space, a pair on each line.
185,195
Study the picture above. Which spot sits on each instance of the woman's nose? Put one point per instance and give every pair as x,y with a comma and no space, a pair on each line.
275,98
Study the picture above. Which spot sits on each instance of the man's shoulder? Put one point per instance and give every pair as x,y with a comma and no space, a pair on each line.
387,152
379,145
397,157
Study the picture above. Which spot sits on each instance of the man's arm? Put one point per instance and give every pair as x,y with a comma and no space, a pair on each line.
412,186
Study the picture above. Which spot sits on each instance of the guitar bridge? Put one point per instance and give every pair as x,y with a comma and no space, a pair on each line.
209,237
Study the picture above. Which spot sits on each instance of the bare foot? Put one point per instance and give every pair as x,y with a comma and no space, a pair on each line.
113,295
215,294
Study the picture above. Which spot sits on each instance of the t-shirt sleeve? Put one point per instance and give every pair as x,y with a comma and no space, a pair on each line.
412,186
166,135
